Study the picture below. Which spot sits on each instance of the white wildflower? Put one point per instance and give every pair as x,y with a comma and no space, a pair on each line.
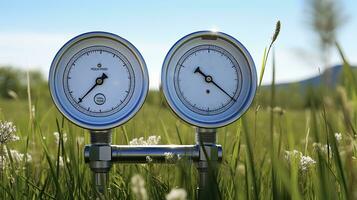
16,157
64,137
14,138
152,140
278,110
28,157
305,162
12,94
179,156
133,141
138,189
326,149
57,137
61,161
177,194
169,156
33,111
7,132
241,169
295,154
172,157
136,141
338,137
148,159
316,145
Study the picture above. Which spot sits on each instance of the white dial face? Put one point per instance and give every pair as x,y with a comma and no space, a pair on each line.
207,79
99,81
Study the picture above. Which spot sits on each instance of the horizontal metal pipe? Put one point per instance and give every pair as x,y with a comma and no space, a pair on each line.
153,153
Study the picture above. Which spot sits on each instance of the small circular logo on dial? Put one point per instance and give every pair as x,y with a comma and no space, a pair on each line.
99,81
99,99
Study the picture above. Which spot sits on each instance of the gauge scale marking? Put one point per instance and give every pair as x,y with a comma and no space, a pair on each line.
113,69
194,69
98,80
208,79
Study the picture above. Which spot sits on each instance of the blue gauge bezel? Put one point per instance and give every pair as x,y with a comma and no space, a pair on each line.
194,118
92,122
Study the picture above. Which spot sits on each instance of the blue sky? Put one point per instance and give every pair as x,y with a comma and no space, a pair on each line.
33,31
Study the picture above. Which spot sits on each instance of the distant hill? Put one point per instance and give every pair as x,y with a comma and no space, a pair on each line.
304,93
332,74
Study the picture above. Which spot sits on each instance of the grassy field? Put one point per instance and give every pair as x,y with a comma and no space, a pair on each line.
270,153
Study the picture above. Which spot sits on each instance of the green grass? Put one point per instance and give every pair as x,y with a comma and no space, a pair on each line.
254,166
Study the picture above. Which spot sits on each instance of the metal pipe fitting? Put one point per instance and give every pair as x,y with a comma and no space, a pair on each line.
150,154
99,158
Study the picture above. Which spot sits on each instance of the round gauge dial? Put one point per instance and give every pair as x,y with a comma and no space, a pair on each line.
216,94
108,69
208,79
98,80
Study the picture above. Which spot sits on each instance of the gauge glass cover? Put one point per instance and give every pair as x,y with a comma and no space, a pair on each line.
209,79
98,80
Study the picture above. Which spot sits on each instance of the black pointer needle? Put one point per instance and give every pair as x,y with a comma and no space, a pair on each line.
98,81
209,79
199,71
223,90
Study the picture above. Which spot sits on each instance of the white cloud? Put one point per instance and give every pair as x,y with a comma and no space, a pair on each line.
30,50
36,51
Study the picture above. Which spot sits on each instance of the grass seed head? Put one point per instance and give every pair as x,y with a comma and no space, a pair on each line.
277,31
57,137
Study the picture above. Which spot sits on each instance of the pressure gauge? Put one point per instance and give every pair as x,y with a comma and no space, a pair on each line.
98,80
209,79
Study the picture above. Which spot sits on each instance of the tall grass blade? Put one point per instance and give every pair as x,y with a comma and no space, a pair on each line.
250,161
266,52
